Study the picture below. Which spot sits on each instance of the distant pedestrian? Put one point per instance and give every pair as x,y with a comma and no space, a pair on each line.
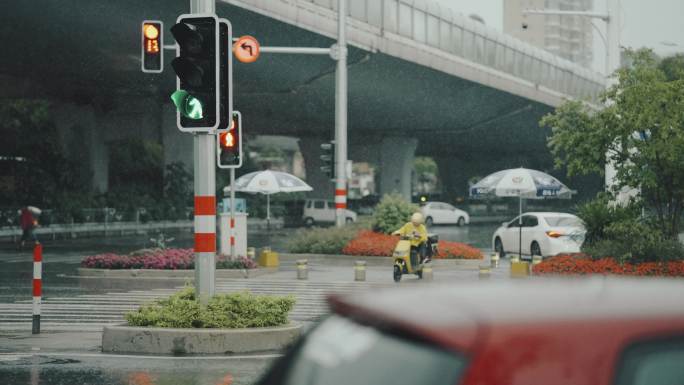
28,223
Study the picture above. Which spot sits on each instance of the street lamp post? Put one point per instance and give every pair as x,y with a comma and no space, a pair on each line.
612,20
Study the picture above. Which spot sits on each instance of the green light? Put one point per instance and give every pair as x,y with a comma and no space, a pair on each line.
188,105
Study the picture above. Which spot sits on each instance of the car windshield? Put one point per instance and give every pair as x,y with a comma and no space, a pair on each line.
562,221
341,351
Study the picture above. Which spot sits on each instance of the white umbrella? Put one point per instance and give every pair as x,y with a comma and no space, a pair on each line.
269,182
522,183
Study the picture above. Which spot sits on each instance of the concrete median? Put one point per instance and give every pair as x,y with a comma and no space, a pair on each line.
166,341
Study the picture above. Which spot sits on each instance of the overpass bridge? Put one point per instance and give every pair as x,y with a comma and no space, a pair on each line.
423,80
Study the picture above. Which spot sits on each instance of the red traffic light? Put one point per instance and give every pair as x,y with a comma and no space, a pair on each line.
229,149
227,139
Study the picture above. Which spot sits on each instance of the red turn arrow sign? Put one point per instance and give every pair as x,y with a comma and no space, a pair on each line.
246,49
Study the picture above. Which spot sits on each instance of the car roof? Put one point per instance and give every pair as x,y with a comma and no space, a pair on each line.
550,214
454,314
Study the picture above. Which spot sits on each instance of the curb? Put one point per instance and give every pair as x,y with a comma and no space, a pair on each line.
349,260
181,274
165,341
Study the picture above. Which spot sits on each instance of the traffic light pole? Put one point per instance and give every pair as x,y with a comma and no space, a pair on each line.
341,117
205,196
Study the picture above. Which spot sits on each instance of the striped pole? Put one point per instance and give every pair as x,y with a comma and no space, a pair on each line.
341,201
205,246
37,285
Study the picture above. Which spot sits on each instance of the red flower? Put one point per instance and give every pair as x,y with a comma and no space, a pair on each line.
580,264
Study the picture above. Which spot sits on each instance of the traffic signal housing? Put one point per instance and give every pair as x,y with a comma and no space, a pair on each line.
199,87
152,53
229,144
328,158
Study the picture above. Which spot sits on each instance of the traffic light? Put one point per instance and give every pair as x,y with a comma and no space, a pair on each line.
200,85
225,74
152,55
229,144
328,158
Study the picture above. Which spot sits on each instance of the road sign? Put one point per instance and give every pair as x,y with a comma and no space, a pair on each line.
152,43
246,49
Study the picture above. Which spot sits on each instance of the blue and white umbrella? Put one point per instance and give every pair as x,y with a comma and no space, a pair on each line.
269,182
522,183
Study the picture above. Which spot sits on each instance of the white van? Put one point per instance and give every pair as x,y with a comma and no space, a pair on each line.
323,211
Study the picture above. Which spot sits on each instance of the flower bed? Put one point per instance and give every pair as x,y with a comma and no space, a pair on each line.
580,264
161,259
382,245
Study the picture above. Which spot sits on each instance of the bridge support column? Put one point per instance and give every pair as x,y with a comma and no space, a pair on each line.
311,151
396,165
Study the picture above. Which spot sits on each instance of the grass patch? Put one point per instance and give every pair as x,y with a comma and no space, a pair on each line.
230,311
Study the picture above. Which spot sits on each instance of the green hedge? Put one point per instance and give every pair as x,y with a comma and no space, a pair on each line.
237,310
391,213
329,240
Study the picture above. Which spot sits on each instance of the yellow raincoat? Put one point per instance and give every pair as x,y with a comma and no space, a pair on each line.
410,230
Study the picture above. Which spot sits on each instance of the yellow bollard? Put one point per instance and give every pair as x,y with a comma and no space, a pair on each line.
302,269
485,272
520,269
494,260
360,271
268,258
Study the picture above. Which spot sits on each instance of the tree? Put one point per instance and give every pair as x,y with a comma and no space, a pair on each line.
641,130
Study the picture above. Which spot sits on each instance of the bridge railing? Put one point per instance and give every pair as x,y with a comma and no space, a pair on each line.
438,26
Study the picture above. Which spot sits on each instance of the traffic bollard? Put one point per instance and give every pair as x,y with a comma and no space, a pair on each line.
494,260
37,286
484,272
302,269
360,271
427,272
520,269
536,259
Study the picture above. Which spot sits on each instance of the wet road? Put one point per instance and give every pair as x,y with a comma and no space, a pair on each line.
62,258
97,369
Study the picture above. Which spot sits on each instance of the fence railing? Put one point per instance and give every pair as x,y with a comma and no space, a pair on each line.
438,26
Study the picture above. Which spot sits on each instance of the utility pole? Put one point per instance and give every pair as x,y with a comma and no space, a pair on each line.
205,192
341,117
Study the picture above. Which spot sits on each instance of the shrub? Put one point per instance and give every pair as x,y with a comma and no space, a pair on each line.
224,262
599,213
391,213
369,243
321,240
164,259
635,241
237,310
581,264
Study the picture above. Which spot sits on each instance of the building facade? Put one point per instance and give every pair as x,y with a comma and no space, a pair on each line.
569,37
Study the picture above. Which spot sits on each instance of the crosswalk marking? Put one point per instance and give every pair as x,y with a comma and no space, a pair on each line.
90,312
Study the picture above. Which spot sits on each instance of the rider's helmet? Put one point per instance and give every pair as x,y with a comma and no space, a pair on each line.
417,219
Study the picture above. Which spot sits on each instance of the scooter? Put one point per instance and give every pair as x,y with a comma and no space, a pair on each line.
402,257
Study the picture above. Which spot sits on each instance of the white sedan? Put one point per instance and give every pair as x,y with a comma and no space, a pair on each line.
544,234
440,213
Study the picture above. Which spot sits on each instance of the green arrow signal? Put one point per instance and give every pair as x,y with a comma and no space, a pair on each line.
188,105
